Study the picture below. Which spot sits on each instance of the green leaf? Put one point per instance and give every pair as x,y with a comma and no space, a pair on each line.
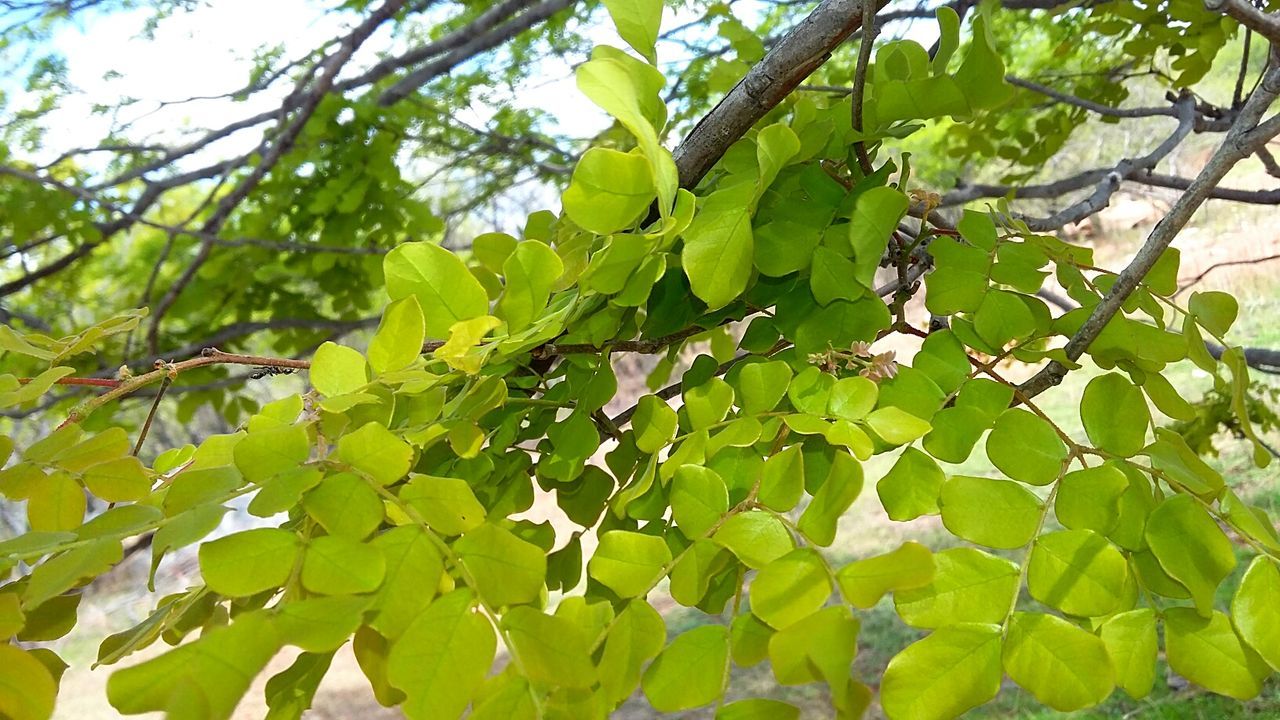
1065,667
120,480
552,650
345,505
775,146
911,487
1003,316
968,586
1207,651
320,624
755,537
637,22
203,679
708,402
852,398
414,567
335,565
270,451
864,582
875,217
1077,572
290,692
491,250
1089,499
338,370
609,189
446,290
782,479
398,341
955,669
995,513
761,385
629,563
897,426
107,445
636,637
1130,638
699,499
56,504
376,452
616,264
690,672
841,488
249,562
506,569
38,386
691,575
1255,611
719,247
654,422
182,530
833,276
1026,448
1171,455
819,647
1191,548
628,90
193,488
442,658
1115,414
530,271
791,588
27,690
446,504
810,391
1214,310
59,574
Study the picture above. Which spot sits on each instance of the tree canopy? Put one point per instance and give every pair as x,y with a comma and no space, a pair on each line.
773,187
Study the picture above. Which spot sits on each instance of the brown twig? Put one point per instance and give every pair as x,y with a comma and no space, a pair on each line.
151,414
1215,266
860,83
211,356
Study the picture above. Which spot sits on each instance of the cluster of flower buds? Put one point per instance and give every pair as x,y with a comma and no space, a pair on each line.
873,366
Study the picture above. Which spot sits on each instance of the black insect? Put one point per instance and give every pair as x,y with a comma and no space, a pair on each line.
268,370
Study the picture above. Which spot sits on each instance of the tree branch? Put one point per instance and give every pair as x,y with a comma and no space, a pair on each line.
475,45
800,52
1240,142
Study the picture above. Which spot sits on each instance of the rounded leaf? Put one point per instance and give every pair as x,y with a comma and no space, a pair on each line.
995,513
955,669
1065,667
1115,414
248,562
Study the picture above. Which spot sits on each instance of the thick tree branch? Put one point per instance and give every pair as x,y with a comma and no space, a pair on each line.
1247,14
800,52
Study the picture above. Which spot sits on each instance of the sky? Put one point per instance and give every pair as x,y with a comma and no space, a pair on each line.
210,51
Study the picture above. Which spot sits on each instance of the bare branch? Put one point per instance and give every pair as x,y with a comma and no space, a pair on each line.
1091,106
1225,263
478,44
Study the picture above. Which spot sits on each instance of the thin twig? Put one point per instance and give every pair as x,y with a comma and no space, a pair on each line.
860,83
151,414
